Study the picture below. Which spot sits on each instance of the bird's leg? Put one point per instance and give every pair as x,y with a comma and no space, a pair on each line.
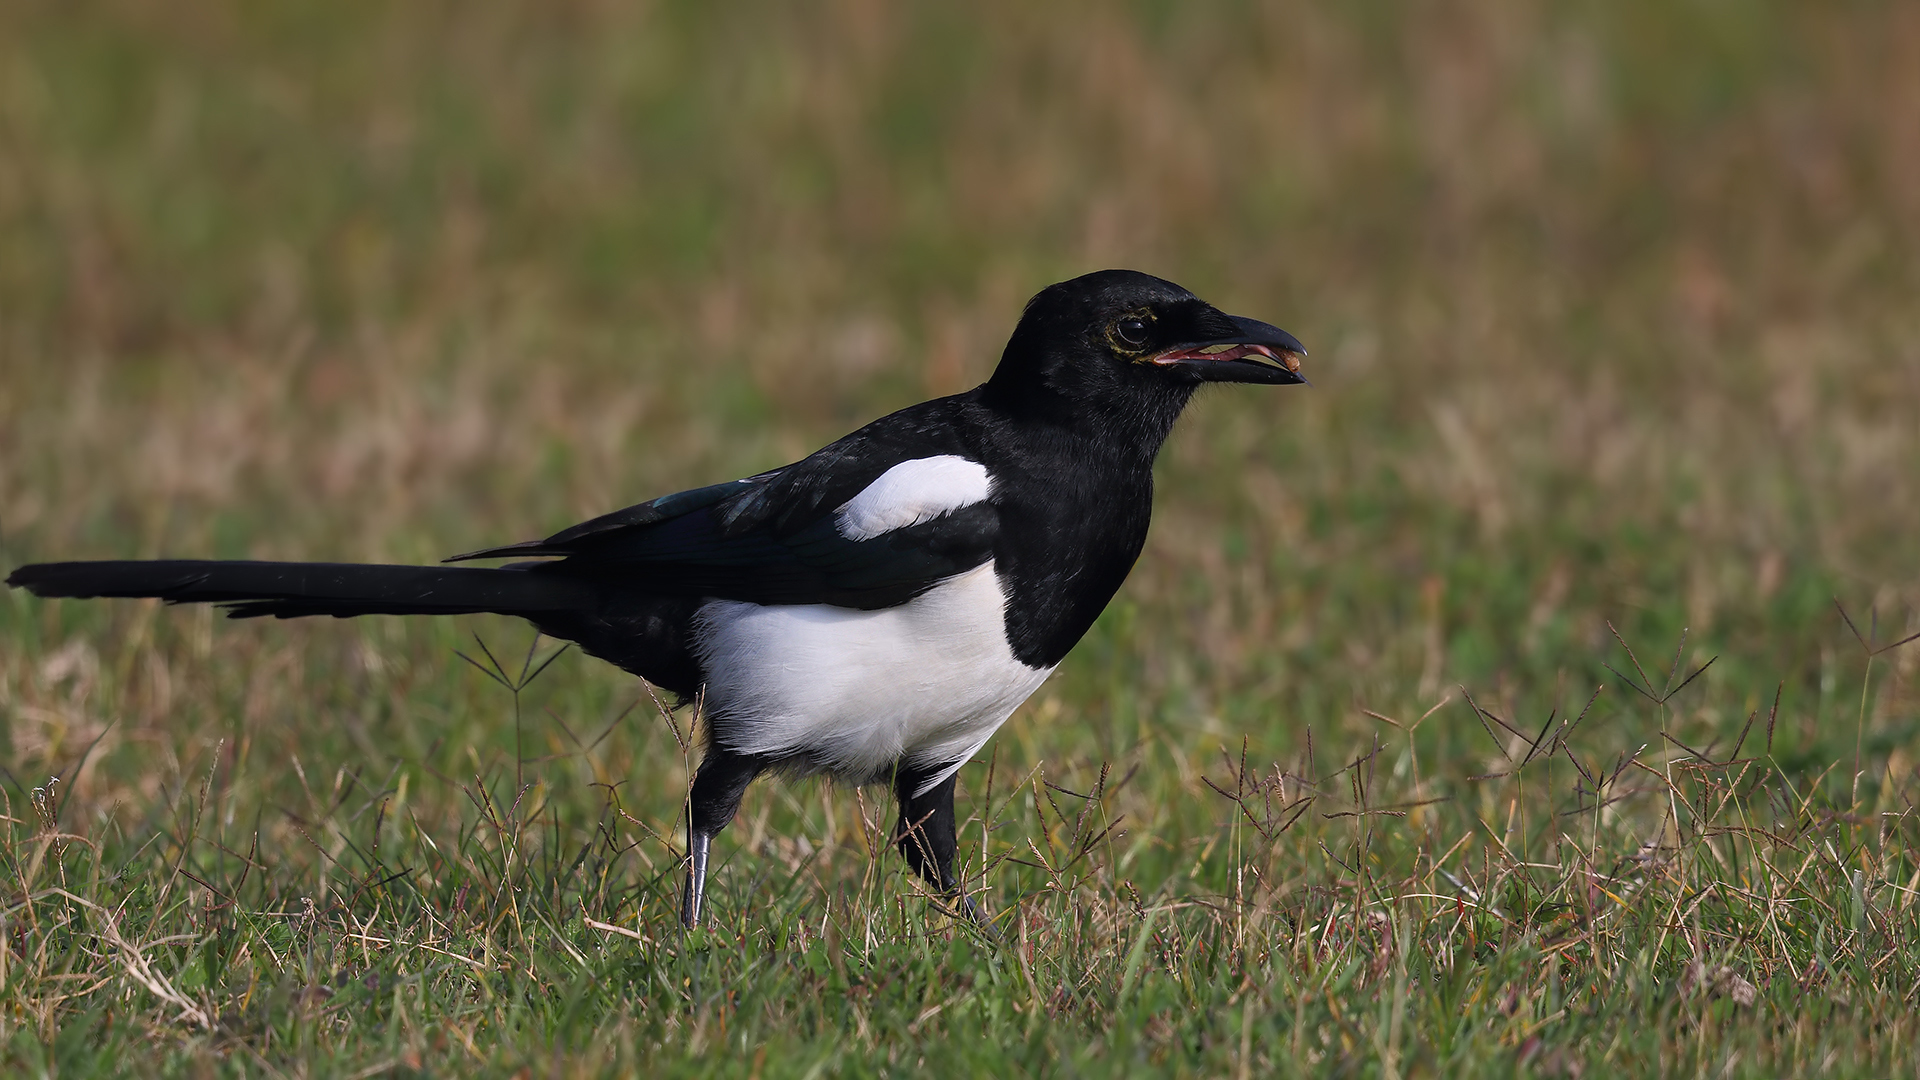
926,837
717,790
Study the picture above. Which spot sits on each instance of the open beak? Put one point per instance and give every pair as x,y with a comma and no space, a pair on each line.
1253,353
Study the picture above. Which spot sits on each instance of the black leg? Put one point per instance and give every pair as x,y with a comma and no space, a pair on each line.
717,789
926,836
925,833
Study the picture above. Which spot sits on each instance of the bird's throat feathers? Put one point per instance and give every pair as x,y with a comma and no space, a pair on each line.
1127,413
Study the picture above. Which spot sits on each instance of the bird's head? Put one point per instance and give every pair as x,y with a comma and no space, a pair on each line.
1120,342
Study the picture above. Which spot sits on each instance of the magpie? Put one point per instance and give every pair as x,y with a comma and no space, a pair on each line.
872,612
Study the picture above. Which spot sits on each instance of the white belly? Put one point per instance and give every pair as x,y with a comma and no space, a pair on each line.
853,692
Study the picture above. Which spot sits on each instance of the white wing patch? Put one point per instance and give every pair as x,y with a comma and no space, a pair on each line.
912,492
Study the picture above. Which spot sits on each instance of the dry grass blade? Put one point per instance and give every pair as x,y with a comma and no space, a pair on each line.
134,961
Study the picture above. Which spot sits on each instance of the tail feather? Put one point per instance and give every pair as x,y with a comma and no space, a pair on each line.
290,590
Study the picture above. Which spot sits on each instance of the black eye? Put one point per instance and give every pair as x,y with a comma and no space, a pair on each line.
1131,331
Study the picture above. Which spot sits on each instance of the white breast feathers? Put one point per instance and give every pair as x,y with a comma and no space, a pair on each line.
912,492
852,692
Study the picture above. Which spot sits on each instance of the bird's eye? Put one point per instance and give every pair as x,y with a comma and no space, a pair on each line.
1131,331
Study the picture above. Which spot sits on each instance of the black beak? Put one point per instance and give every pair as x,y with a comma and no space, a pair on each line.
1254,353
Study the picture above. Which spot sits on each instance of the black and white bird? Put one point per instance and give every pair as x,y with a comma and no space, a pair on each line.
873,612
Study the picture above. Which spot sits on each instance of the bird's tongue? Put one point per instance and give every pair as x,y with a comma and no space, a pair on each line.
1279,358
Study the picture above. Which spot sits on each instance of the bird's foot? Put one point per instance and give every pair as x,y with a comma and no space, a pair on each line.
965,908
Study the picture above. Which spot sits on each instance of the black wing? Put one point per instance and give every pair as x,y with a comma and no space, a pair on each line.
775,538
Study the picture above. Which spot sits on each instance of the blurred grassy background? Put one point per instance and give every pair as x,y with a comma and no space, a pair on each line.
1611,310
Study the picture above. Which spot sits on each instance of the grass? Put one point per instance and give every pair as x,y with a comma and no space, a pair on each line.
1525,698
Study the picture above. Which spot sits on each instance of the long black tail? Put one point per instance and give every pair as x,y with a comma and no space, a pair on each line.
289,590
